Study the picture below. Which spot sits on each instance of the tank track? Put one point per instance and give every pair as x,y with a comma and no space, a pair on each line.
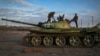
27,40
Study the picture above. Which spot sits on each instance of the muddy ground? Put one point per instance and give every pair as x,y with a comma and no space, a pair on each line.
11,45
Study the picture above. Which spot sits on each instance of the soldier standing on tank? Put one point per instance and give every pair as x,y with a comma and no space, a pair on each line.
51,15
61,18
75,19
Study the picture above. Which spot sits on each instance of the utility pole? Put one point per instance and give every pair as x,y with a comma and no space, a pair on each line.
88,25
92,21
6,24
81,23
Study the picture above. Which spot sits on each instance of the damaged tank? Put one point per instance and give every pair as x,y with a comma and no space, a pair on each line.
60,33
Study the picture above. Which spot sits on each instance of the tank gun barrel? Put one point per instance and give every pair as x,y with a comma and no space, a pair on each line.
19,22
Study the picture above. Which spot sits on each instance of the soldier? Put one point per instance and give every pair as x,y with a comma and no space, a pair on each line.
61,18
75,19
51,15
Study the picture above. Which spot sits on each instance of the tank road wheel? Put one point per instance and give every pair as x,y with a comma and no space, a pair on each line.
74,41
60,41
26,40
88,41
96,37
36,41
48,41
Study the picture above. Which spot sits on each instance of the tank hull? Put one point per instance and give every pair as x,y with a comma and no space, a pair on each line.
61,37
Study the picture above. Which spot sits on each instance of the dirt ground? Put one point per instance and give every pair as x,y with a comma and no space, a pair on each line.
11,45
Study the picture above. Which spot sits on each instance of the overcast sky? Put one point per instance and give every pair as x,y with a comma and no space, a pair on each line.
34,11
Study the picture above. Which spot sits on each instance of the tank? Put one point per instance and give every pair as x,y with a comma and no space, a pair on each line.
60,33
